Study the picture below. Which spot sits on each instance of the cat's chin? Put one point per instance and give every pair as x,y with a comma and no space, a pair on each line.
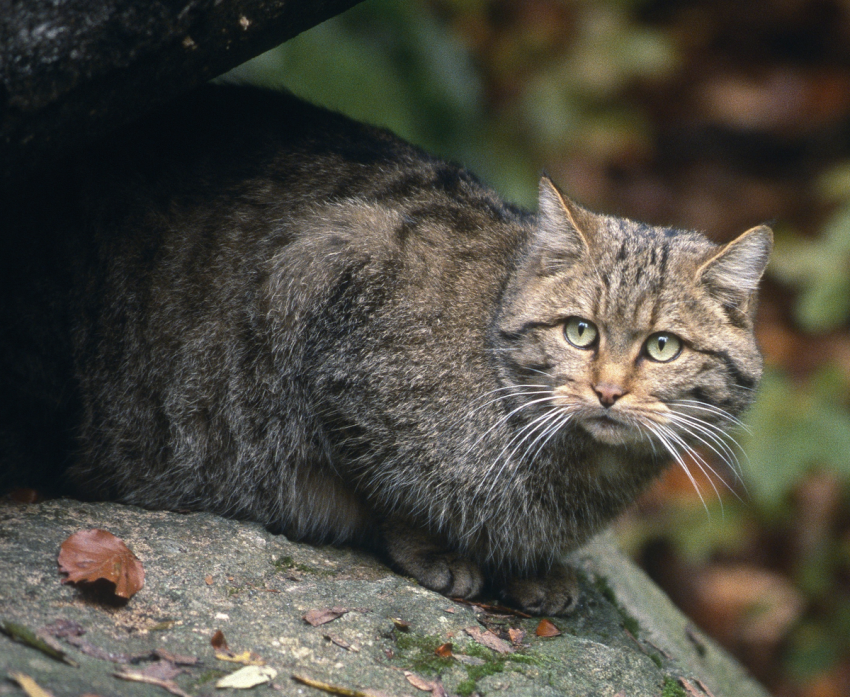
611,432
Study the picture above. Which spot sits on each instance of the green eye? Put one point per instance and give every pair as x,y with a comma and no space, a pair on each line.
663,347
580,332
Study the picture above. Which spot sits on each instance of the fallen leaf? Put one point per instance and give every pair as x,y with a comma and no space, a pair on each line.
136,676
444,650
218,641
435,687
547,629
488,639
248,658
25,635
516,635
401,625
318,617
704,688
92,555
247,677
332,689
208,580
162,670
30,686
342,643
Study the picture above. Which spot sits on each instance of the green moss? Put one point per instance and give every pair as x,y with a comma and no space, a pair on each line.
287,563
416,652
672,688
656,659
629,622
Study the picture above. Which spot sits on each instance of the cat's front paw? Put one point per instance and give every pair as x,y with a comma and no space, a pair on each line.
554,593
450,575
430,563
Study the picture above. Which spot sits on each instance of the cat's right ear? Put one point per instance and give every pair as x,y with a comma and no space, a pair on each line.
560,239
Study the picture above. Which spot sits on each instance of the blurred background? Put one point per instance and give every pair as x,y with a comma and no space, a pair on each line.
714,115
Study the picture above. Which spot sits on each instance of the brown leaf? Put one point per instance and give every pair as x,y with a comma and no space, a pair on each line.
546,628
92,555
342,643
219,643
401,625
208,580
516,635
162,670
490,640
318,617
444,650
435,687
136,676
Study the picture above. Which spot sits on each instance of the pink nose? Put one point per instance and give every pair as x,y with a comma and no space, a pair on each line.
608,394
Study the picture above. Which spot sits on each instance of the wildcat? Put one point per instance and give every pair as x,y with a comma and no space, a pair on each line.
252,306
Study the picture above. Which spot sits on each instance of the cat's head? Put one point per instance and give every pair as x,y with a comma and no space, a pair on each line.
637,334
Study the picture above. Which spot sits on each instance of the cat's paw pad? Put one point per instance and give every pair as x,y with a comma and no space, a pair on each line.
555,593
451,575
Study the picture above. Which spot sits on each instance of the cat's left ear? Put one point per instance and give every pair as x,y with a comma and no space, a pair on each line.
562,229
733,273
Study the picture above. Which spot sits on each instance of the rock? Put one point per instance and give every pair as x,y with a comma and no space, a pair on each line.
205,573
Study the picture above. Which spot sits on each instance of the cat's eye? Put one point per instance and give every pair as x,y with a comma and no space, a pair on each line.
663,347
580,332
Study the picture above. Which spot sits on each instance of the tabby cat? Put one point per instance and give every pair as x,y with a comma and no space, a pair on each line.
252,306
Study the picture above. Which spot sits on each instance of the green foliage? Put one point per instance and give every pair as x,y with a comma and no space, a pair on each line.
672,688
796,428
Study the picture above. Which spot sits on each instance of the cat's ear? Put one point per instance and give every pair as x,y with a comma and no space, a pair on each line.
561,237
733,273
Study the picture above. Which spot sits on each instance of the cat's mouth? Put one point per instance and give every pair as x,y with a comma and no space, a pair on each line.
608,429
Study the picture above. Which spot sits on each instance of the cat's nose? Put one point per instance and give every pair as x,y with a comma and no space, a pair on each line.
608,394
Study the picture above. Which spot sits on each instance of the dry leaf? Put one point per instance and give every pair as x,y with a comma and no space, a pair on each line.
208,580
435,687
444,650
318,617
516,635
547,629
30,686
219,643
332,689
92,555
342,643
247,677
490,640
136,676
248,658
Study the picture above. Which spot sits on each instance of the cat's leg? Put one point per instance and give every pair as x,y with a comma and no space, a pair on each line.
430,563
554,593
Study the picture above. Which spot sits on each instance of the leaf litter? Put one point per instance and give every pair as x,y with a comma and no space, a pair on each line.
93,555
